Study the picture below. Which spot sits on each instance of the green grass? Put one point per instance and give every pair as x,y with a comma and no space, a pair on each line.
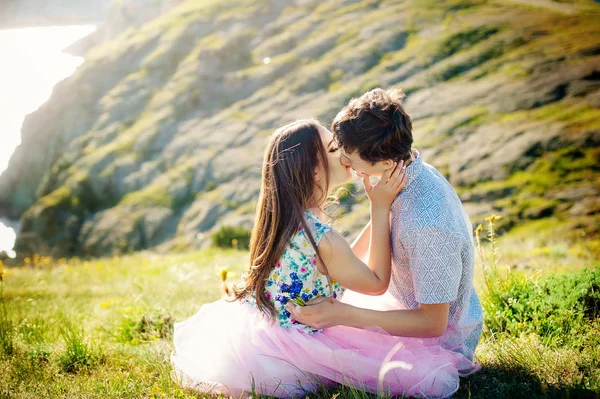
103,327
156,195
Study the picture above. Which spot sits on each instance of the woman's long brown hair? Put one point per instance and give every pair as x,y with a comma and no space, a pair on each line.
287,190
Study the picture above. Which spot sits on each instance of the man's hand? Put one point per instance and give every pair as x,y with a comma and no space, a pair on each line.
320,313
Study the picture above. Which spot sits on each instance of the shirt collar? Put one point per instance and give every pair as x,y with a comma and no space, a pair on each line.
414,169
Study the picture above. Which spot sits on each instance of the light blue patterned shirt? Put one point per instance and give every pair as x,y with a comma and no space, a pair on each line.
433,254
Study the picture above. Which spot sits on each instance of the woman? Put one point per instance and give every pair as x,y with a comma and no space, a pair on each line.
252,344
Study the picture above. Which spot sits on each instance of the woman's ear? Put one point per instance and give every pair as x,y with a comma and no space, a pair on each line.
317,176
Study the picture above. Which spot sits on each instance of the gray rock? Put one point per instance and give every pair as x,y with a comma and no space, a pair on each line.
495,151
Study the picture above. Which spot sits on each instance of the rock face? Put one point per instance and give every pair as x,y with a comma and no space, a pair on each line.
120,16
157,139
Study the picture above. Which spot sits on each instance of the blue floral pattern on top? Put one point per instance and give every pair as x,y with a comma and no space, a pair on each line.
296,278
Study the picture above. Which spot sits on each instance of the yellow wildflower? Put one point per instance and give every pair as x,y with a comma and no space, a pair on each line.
493,218
223,274
105,304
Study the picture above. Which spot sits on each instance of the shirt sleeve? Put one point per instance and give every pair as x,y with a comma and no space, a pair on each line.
320,231
436,264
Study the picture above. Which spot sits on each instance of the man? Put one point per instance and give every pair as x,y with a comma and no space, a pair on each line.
431,235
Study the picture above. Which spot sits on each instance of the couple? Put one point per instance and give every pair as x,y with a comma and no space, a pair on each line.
288,328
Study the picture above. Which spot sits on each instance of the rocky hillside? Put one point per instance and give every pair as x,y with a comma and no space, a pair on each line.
157,138
119,16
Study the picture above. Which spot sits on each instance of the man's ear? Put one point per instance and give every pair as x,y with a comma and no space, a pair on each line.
387,163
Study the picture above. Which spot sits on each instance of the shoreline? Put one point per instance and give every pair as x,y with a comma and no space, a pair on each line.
12,223
6,225
58,67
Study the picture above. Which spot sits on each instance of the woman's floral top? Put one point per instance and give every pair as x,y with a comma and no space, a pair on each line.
296,278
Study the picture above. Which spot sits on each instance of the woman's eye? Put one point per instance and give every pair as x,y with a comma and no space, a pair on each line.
333,149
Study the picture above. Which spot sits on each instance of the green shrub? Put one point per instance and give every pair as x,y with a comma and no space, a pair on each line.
345,193
343,198
147,328
210,185
231,237
557,308
462,40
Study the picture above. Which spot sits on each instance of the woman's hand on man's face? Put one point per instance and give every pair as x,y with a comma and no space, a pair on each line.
319,313
383,193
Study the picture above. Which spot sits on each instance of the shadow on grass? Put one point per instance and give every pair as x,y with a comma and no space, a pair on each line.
493,381
501,381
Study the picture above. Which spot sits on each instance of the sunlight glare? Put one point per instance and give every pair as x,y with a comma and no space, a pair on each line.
32,63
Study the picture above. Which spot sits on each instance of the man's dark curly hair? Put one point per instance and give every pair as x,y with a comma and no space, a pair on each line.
376,125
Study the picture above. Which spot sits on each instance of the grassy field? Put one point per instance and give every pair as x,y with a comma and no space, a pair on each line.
102,328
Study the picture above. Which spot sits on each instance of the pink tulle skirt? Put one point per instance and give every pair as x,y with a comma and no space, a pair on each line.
231,348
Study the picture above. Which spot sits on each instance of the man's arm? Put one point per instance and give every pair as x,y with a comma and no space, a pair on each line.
428,320
435,265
